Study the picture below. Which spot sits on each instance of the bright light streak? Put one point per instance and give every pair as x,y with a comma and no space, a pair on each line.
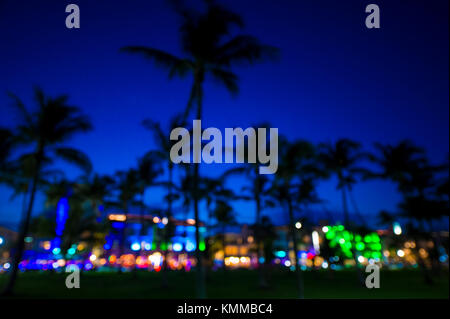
315,239
117,217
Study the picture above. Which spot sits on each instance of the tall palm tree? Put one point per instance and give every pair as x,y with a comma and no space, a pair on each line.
46,129
127,185
294,187
416,179
164,144
148,169
268,235
96,189
210,50
343,160
406,165
256,191
81,221
19,173
215,194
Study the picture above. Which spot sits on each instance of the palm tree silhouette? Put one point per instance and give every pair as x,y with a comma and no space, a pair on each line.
257,191
96,189
79,220
343,159
215,194
210,50
268,235
294,187
127,185
162,155
396,162
6,149
19,174
148,169
407,166
46,129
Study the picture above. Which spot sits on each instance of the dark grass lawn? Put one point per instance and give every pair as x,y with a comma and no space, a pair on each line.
233,284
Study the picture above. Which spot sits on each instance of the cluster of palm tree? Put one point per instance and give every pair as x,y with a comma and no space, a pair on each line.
42,133
211,52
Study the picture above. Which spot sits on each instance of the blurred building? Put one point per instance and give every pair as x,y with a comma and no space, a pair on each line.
7,239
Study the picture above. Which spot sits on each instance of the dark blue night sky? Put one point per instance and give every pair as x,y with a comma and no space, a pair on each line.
335,79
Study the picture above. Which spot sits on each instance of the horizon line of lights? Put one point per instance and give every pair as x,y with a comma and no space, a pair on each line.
177,247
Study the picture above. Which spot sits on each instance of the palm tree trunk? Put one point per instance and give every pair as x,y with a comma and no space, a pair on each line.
201,285
259,247
420,260
201,289
348,226
224,250
422,265
122,241
298,269
165,282
434,251
24,229
141,234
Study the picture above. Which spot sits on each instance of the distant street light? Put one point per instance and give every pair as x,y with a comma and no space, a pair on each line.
397,229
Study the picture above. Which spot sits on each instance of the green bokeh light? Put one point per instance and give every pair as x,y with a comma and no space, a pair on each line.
368,245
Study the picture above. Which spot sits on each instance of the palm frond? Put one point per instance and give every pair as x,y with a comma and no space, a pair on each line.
175,65
227,78
74,156
245,48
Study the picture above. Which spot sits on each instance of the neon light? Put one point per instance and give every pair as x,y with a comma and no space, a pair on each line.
62,210
177,247
190,246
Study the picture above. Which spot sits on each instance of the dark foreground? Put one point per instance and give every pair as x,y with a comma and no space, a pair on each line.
233,284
